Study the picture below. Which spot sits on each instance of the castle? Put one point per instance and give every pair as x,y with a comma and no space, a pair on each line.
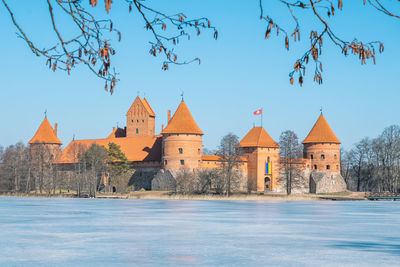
179,146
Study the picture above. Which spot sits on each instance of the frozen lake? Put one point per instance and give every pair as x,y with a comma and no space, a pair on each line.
97,232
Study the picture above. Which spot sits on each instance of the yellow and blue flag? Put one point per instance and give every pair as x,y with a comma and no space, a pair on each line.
268,168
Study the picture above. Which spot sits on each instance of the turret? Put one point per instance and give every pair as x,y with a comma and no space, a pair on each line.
140,119
263,159
45,143
182,141
322,147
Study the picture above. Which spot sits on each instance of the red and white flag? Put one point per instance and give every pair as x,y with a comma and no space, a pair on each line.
258,112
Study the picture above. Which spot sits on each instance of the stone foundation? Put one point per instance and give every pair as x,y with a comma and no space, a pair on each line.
322,182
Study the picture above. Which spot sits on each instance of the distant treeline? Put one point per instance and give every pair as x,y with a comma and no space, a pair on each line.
27,171
374,164
371,165
30,170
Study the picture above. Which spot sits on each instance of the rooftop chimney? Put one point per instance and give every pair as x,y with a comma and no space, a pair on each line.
169,115
55,128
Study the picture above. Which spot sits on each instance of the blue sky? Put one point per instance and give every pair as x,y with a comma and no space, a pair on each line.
240,72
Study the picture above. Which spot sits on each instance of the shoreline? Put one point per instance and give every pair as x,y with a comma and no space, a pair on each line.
164,195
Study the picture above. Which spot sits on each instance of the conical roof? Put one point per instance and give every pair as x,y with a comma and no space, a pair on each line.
45,134
258,137
182,122
321,133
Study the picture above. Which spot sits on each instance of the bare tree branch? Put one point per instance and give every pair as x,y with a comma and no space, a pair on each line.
364,50
91,46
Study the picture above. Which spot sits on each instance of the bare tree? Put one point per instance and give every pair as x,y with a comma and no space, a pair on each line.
230,158
290,150
94,163
360,156
1,153
15,165
186,182
213,180
375,163
345,165
78,177
205,178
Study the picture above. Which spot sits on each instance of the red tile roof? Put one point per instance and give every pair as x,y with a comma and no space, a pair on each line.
134,148
321,133
45,134
217,158
117,133
148,107
210,157
182,122
145,104
258,137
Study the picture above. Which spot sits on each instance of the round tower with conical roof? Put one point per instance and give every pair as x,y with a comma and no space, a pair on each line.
182,141
263,159
45,145
322,148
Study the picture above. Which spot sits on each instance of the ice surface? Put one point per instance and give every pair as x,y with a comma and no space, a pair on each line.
96,232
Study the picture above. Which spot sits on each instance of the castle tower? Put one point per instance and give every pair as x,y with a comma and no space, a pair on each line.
322,147
263,159
45,143
182,141
140,119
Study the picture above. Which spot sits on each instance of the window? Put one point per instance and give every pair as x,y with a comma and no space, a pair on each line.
267,159
322,156
182,162
132,121
335,157
315,167
142,120
180,150
328,167
137,120
137,131
337,167
165,162
311,156
199,151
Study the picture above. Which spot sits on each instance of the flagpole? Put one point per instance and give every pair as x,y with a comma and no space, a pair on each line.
261,117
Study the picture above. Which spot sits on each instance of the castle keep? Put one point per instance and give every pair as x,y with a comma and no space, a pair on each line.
179,147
